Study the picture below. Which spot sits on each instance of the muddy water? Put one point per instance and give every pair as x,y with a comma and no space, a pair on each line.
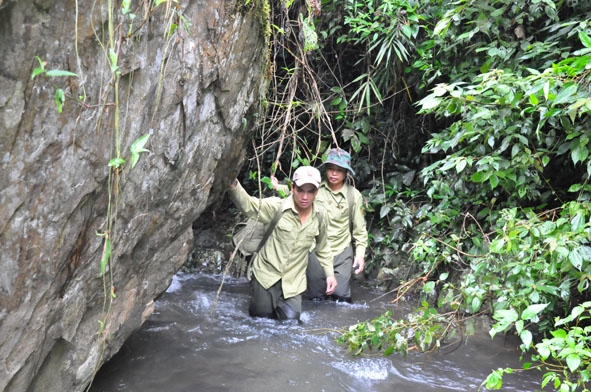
194,342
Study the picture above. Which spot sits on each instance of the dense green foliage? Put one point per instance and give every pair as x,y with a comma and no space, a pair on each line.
470,125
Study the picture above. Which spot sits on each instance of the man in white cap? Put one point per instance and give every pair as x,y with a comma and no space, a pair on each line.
279,269
347,231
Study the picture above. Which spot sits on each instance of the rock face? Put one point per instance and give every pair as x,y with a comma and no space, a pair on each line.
189,76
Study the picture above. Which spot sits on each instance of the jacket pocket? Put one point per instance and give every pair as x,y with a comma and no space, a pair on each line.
283,231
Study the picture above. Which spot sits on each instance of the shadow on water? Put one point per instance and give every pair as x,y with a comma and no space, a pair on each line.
193,343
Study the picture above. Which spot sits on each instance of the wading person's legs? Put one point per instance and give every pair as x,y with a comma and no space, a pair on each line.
342,263
316,279
271,304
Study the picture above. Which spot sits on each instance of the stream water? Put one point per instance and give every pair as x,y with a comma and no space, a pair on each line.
196,341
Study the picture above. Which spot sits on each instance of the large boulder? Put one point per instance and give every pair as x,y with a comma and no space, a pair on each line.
188,74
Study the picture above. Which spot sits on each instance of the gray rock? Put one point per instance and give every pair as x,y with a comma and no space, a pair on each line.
191,91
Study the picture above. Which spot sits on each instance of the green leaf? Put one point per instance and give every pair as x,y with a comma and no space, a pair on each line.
172,29
384,210
519,326
337,101
547,228
362,138
575,258
532,311
448,164
497,245
479,176
506,316
526,337
573,361
429,287
494,181
116,162
494,380
113,57
559,333
578,222
40,69
36,72
429,102
60,97
355,143
125,6
546,89
267,181
106,255
575,187
566,93
59,72
137,148
573,109
543,350
577,311
585,39
579,153
442,26
533,99
461,164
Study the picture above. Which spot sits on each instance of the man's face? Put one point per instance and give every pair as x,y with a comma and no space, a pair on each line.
303,196
335,175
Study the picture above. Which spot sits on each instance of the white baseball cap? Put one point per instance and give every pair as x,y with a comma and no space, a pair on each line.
307,175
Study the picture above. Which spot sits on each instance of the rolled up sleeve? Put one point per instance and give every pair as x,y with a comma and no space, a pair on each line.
252,206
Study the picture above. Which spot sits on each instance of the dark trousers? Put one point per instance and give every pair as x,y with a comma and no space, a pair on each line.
342,264
270,302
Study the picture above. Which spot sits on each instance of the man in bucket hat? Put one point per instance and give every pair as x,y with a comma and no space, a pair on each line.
279,269
347,232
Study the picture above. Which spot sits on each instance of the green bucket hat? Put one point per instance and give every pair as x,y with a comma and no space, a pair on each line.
341,158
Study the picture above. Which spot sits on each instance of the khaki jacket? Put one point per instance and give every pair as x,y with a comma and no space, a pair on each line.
336,206
285,254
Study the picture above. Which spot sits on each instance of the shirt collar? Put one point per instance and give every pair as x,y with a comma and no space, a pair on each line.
342,190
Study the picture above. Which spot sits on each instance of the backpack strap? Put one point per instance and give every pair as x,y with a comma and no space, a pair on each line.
272,225
350,197
320,215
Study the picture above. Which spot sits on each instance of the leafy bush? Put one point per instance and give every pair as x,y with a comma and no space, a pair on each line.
505,197
470,124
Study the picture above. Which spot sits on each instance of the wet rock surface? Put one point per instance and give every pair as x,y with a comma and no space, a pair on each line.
191,89
213,247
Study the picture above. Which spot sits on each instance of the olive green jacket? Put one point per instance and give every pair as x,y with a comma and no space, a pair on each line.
336,206
285,254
